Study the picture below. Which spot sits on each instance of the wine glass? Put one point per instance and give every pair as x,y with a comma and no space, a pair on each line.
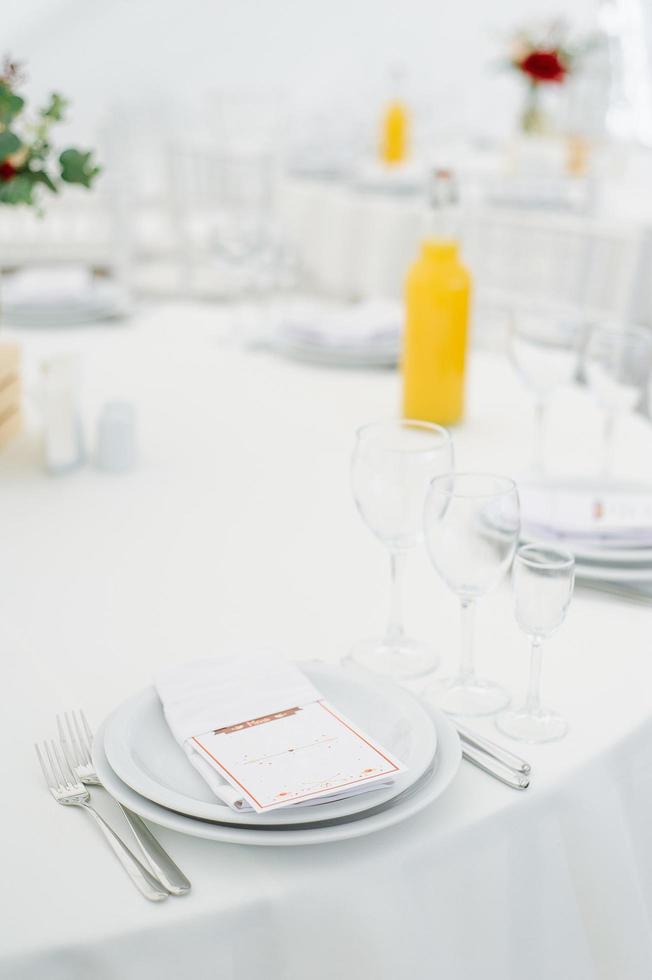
244,186
393,463
545,347
472,523
617,364
543,580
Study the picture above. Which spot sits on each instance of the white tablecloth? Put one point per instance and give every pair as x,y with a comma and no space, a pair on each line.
236,530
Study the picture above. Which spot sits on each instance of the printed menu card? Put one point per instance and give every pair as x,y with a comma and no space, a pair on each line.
296,754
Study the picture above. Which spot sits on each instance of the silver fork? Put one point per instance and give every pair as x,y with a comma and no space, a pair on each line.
67,790
76,741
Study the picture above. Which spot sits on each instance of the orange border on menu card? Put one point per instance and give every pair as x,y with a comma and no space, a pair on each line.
350,782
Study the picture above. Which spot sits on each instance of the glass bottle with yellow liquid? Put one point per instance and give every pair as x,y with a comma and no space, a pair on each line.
437,297
395,125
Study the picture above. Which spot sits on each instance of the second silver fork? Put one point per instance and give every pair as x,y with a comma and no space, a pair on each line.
76,741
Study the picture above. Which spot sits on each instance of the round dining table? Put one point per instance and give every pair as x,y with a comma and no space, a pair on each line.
236,531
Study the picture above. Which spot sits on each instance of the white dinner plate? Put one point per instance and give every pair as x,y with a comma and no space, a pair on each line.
431,785
366,356
62,318
603,555
612,573
142,752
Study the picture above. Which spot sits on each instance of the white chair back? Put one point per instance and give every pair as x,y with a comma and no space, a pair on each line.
520,258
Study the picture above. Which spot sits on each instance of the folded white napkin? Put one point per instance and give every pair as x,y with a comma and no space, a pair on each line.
224,691
51,291
46,285
201,696
370,324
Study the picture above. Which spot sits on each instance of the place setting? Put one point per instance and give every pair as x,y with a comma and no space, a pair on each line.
605,520
363,335
69,296
256,750
303,754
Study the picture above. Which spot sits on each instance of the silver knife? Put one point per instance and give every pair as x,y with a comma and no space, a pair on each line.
494,768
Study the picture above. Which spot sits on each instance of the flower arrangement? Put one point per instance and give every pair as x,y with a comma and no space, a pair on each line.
26,152
544,58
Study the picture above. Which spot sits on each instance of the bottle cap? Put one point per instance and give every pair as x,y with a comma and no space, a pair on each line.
443,188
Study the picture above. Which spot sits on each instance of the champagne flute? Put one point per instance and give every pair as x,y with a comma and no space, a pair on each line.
472,523
543,580
545,347
618,362
392,465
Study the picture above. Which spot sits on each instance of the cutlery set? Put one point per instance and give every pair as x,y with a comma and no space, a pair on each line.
68,768
496,761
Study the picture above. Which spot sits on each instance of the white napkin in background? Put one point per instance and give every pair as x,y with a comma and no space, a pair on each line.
606,516
372,323
205,694
47,291
48,285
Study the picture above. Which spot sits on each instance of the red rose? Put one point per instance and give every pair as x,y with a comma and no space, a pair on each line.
7,171
543,66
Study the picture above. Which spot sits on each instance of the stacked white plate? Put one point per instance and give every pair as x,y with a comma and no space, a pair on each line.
143,767
604,554
365,335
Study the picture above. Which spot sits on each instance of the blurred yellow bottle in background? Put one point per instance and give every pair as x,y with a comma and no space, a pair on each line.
437,297
395,126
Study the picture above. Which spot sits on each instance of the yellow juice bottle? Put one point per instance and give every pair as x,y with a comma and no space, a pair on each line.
395,126
437,314
394,138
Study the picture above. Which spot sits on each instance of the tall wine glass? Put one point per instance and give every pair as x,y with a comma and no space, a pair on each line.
472,523
543,580
243,219
393,463
545,347
617,363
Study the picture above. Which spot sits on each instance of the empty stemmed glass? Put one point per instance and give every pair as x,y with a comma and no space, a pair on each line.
543,580
617,365
545,347
472,523
243,221
393,463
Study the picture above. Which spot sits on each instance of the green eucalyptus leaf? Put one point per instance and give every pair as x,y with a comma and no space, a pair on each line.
10,104
56,108
9,143
78,167
20,190
42,177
